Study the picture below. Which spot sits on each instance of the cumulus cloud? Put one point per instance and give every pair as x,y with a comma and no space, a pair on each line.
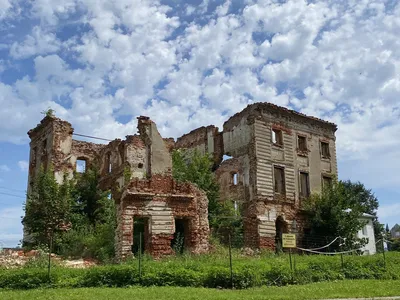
39,42
10,230
97,62
4,168
23,165
5,5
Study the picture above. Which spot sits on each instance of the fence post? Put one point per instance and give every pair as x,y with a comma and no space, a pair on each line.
230,259
294,260
49,263
140,257
341,250
384,254
341,258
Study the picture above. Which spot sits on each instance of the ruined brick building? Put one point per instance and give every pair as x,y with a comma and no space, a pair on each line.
277,157
137,171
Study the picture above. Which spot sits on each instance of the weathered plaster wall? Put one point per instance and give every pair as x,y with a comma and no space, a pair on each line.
159,160
162,200
247,137
138,173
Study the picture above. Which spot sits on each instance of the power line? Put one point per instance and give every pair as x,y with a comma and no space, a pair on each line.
14,190
12,195
92,137
11,218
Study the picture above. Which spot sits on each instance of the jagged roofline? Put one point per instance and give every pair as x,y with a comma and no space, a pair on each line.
289,112
267,106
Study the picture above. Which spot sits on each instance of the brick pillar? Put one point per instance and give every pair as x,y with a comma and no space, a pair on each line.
124,234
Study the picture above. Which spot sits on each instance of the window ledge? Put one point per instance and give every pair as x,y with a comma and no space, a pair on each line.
277,145
302,153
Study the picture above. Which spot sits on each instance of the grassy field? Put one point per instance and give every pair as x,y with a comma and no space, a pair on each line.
209,271
323,290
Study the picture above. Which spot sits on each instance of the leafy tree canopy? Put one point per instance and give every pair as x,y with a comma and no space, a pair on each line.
336,211
48,207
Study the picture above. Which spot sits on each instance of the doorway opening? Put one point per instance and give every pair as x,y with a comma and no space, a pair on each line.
281,227
140,234
179,242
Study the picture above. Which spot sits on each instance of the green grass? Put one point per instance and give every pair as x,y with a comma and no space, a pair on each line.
323,290
209,271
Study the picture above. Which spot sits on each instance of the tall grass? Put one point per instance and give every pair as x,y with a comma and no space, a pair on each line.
211,270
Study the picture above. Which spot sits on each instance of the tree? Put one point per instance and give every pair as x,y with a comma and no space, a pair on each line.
223,219
358,195
197,168
87,196
93,220
336,211
47,209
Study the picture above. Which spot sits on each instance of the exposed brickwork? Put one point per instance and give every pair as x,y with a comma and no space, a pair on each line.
137,171
247,137
164,199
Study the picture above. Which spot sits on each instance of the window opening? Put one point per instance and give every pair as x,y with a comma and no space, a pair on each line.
279,178
326,181
304,185
80,165
108,163
235,179
364,230
302,143
34,153
325,150
277,138
44,147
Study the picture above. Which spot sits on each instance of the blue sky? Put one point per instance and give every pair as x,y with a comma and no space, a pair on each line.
186,64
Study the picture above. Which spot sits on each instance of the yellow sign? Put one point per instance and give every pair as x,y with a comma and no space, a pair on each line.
288,240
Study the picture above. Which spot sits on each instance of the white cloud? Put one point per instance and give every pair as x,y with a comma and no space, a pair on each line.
38,42
5,5
328,59
4,168
11,229
23,165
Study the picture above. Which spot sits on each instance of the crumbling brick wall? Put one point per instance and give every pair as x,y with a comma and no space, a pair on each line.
138,172
162,200
259,161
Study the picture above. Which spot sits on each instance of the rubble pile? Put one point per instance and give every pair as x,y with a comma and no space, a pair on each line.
18,258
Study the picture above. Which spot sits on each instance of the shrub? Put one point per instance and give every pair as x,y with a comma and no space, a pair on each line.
110,276
221,278
278,275
210,271
173,277
26,279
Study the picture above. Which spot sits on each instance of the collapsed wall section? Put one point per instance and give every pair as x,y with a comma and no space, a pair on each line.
204,140
276,161
162,201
